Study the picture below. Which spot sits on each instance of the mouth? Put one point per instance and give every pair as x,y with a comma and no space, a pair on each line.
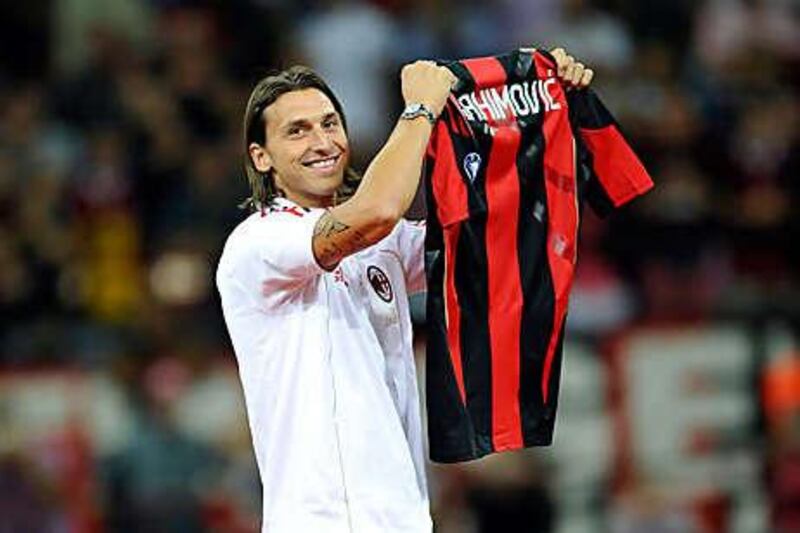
323,163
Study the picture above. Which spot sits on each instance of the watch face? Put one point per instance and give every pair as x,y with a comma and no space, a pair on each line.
415,110
412,110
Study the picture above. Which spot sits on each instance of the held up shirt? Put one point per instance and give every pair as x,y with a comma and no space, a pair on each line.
510,163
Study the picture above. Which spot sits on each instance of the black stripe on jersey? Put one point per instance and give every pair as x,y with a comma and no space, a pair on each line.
433,230
523,63
537,283
589,188
588,112
472,285
510,63
465,83
449,426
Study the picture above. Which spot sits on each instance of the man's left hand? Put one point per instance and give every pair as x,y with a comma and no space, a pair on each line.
570,71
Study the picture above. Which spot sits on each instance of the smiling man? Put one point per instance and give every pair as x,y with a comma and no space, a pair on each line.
314,288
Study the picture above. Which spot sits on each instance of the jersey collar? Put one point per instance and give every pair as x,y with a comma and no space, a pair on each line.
282,201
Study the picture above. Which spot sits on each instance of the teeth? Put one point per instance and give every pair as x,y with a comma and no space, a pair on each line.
323,163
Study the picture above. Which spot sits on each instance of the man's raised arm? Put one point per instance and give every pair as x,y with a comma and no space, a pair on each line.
391,180
392,177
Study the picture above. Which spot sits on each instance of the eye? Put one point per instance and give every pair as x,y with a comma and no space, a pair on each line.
330,123
294,131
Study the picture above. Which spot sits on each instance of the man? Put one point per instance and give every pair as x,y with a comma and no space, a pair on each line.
314,289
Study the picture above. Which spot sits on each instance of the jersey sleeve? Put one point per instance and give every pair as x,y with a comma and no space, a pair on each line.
613,172
284,246
410,245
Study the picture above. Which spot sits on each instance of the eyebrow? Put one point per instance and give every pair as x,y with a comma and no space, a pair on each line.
304,121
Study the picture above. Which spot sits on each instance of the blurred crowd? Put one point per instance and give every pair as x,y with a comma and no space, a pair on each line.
121,174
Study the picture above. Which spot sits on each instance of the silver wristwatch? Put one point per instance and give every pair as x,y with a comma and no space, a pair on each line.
415,110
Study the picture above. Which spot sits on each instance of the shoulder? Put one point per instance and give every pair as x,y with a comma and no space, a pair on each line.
267,234
282,221
236,246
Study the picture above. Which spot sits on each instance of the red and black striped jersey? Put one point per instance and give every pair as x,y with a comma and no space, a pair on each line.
510,163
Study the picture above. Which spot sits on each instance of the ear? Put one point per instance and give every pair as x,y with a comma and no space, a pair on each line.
260,158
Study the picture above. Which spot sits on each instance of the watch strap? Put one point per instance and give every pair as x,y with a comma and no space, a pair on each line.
416,109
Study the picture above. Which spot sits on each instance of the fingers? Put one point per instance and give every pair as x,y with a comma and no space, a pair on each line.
576,74
571,72
427,83
586,79
427,67
562,60
438,73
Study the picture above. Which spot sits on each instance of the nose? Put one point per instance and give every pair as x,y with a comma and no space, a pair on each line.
320,140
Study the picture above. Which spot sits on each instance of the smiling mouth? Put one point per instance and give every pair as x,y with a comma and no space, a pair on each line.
326,163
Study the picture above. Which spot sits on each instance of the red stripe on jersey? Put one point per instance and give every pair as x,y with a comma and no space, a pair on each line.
486,71
562,210
452,309
618,169
450,194
451,207
293,209
505,285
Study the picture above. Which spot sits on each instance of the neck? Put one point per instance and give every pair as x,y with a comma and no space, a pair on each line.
308,200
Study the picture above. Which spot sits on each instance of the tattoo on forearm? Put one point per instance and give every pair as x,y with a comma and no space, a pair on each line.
334,240
327,225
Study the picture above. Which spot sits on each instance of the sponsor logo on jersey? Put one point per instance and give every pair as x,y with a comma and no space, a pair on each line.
380,283
472,162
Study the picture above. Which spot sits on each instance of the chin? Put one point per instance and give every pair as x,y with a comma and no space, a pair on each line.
327,190
332,182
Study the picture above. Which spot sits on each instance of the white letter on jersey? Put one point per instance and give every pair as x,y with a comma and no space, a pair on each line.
483,107
531,96
519,98
465,104
549,97
503,103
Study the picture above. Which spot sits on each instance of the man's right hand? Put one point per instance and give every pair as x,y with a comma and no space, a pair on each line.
427,83
392,178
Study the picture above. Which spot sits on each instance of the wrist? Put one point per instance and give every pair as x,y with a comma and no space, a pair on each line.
415,110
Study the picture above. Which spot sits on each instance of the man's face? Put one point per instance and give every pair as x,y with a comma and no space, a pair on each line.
306,147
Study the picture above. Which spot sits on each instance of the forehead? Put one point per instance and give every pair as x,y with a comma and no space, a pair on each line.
305,104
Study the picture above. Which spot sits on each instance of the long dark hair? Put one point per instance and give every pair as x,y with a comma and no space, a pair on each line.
262,184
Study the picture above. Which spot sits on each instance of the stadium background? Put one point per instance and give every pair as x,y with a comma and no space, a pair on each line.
120,174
